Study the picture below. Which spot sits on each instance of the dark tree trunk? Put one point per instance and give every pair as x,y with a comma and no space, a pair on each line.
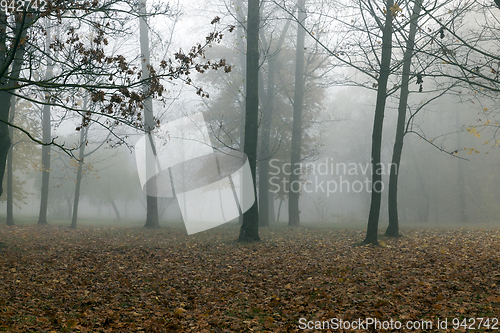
10,169
393,228
5,96
47,138
249,230
5,100
152,220
378,122
298,101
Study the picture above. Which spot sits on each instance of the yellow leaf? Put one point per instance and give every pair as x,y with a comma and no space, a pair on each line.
179,311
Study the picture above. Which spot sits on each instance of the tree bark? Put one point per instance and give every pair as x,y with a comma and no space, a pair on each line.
10,169
378,122
298,101
152,219
249,230
393,228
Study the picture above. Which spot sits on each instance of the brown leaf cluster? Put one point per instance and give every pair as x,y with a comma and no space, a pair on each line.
136,280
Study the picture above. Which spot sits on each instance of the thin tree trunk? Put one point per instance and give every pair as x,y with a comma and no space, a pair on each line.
10,169
79,174
298,101
266,199
68,204
117,212
378,122
279,211
249,230
272,213
265,151
393,228
241,53
47,138
152,219
461,176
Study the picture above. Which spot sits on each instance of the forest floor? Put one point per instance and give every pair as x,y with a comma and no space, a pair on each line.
104,279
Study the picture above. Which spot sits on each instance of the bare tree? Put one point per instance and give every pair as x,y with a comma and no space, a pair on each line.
298,102
249,230
393,228
152,220
114,84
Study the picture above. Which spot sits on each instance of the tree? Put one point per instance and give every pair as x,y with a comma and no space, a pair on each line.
152,219
249,230
266,198
81,64
46,139
110,180
385,64
82,155
298,100
23,155
10,171
365,33
10,58
79,174
393,228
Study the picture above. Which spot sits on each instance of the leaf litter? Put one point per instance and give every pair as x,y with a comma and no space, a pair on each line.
54,279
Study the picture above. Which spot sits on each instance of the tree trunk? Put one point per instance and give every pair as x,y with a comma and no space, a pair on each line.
279,211
69,205
378,122
460,176
249,230
266,198
47,138
265,152
298,101
5,100
117,212
5,96
79,173
240,35
393,228
272,213
10,169
152,219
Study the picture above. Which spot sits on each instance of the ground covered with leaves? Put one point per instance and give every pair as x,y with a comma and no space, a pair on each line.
132,280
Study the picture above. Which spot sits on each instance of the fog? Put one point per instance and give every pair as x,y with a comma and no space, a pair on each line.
447,170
